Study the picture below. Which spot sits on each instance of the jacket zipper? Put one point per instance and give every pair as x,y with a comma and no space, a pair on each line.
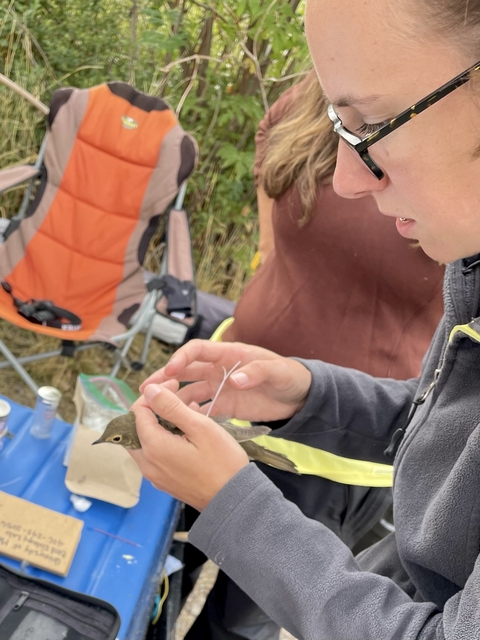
472,282
398,435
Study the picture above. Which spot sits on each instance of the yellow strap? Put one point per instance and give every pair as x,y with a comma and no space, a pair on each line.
220,330
467,329
316,462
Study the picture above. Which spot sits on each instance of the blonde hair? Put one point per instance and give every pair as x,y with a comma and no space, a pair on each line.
302,149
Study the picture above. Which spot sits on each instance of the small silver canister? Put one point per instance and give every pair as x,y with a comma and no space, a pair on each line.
48,399
5,409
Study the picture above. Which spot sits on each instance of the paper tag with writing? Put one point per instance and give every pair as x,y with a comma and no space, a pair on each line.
44,538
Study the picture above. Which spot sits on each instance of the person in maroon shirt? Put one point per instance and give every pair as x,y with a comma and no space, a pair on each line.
337,283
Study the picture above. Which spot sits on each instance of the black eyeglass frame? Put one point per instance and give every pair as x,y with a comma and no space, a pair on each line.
361,146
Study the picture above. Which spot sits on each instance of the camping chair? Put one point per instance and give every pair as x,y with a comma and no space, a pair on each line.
113,161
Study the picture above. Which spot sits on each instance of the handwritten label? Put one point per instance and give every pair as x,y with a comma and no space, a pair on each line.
44,538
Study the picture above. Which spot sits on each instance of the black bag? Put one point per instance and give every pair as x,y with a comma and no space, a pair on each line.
183,312
33,609
212,311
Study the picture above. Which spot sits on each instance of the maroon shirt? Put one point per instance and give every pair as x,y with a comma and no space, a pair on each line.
345,287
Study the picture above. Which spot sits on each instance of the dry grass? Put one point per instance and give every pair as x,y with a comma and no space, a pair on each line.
62,372
22,125
223,258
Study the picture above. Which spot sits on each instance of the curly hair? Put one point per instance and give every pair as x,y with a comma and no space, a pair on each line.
302,149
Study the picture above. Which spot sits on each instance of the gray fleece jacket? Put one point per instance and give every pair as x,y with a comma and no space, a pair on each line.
423,582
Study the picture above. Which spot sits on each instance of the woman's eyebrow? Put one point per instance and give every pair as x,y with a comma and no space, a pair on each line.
351,100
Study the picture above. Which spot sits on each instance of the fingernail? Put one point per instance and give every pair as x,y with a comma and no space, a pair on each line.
173,360
240,378
151,390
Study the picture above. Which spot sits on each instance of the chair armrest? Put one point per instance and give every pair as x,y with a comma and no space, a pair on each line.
16,175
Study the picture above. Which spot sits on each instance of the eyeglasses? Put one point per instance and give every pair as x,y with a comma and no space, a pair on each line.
361,146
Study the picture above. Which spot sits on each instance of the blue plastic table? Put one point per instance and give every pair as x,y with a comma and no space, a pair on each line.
125,574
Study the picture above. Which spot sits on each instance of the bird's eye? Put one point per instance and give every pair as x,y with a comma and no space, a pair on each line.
117,439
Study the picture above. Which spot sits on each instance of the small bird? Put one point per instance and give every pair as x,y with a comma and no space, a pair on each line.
122,430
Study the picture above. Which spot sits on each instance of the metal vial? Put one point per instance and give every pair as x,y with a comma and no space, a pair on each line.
48,399
5,409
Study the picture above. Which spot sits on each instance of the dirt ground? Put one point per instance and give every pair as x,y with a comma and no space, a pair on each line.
195,601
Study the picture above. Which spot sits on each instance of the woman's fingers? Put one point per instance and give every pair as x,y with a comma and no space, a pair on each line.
284,378
195,466
205,360
257,373
194,371
158,378
219,354
194,350
199,392
264,387
171,385
155,378
192,467
169,406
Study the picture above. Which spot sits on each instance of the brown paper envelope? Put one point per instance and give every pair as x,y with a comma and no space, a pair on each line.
103,471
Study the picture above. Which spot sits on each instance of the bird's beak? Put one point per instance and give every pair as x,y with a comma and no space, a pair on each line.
99,441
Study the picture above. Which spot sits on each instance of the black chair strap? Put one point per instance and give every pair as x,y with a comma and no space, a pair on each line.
45,312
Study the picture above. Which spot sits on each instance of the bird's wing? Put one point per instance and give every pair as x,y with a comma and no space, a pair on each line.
274,459
241,434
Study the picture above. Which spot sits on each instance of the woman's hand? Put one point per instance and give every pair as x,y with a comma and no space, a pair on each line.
264,387
192,467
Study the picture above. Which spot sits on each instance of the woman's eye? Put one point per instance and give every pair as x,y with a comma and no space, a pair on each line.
368,129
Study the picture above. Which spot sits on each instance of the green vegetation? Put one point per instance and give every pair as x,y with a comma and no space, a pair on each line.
219,64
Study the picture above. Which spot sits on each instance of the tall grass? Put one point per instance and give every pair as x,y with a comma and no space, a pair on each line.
62,372
22,126
224,254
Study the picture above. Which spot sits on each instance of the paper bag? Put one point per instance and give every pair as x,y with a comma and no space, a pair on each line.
104,471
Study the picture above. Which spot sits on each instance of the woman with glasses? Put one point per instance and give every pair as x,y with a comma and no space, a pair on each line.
402,79
330,289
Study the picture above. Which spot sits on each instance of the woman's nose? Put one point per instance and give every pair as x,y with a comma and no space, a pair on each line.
352,177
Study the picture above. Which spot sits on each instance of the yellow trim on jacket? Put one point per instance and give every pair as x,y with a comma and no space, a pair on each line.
466,329
317,462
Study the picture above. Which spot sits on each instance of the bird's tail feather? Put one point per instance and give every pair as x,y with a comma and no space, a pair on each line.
274,459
